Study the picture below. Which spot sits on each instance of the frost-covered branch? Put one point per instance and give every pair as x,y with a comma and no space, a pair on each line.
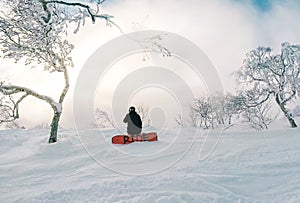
9,90
10,109
92,13
259,117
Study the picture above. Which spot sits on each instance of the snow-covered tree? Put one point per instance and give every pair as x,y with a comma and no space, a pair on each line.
265,75
202,112
214,110
36,31
224,107
234,106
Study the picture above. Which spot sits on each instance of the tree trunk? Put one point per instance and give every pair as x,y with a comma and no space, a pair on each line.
229,120
285,112
54,127
205,123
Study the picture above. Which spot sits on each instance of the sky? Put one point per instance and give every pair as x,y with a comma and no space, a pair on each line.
261,5
225,30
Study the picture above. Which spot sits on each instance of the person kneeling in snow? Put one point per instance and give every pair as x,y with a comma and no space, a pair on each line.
134,122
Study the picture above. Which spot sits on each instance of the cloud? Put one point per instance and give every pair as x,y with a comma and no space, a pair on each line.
225,29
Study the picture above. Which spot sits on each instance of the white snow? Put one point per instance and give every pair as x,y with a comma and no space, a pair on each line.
296,111
83,166
58,106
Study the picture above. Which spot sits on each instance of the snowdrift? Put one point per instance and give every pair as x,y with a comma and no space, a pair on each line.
184,165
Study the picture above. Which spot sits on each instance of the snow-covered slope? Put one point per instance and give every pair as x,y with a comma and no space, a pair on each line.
183,166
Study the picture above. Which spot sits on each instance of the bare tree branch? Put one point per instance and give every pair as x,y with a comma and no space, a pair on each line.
104,118
143,111
179,120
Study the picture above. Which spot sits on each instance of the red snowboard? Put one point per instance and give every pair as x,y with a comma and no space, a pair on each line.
127,139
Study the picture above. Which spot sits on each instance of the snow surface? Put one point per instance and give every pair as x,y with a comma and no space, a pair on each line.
197,166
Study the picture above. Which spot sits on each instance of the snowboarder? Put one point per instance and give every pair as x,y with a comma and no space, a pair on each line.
134,122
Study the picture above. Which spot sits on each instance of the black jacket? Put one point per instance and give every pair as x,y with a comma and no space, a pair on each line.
134,123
